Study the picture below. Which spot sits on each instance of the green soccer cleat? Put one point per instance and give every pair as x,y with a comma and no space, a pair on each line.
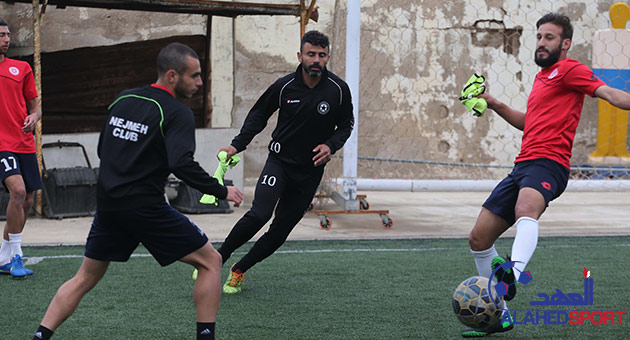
504,325
505,277
234,283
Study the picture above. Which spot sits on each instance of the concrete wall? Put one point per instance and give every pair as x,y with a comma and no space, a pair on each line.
416,56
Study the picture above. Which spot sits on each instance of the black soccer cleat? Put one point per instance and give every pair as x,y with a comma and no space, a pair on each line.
502,326
506,281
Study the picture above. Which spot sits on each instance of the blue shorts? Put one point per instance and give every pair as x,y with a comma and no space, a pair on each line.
548,177
164,231
23,164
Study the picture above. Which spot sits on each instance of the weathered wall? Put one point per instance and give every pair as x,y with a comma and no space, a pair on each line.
420,55
73,27
416,56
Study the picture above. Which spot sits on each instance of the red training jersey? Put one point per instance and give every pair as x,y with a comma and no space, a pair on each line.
17,86
554,108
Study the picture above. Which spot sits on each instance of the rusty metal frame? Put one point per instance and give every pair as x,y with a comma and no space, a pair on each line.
206,7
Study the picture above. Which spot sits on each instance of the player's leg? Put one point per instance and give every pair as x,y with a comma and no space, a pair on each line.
15,208
486,231
529,207
21,178
269,187
292,206
70,294
15,224
108,240
496,216
20,175
170,236
207,290
541,181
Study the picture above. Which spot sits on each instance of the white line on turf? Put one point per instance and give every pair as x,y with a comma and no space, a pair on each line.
30,260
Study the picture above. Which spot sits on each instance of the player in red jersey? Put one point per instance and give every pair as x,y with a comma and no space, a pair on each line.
19,172
541,169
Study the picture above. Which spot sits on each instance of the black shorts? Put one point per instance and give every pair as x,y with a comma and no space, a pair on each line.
548,177
164,231
23,164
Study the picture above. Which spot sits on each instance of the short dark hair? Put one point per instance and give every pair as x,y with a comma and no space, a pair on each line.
558,19
3,22
173,57
315,38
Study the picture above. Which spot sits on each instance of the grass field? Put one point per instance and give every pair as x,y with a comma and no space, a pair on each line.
382,289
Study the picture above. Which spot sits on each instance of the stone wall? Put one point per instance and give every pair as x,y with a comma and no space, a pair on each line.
416,56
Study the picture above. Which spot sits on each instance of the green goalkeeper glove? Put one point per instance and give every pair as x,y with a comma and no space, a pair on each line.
222,168
474,87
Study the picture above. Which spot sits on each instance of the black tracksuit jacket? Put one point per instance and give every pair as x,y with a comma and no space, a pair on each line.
147,136
307,117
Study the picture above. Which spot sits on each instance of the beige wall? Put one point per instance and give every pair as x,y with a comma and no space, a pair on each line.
416,56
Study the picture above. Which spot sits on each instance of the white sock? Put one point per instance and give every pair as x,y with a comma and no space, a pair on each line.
483,260
524,243
5,252
16,244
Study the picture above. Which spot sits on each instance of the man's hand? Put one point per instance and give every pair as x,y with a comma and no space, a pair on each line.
492,102
322,154
30,122
234,195
231,151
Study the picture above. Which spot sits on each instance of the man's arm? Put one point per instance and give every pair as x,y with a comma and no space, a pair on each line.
614,96
515,118
179,139
257,118
35,114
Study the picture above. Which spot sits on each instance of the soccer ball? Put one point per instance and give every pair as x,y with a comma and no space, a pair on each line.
474,306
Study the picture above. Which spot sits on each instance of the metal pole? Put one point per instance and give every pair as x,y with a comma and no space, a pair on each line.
353,47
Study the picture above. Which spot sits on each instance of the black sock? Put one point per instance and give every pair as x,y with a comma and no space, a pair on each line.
235,268
205,330
42,333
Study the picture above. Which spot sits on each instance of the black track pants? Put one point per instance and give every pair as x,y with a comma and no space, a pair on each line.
290,191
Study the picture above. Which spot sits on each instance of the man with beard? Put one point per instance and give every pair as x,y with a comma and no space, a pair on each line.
149,134
19,172
541,169
314,120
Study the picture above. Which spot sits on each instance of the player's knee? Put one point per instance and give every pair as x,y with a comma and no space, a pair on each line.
259,216
477,242
85,283
28,201
18,195
215,260
211,261
527,209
